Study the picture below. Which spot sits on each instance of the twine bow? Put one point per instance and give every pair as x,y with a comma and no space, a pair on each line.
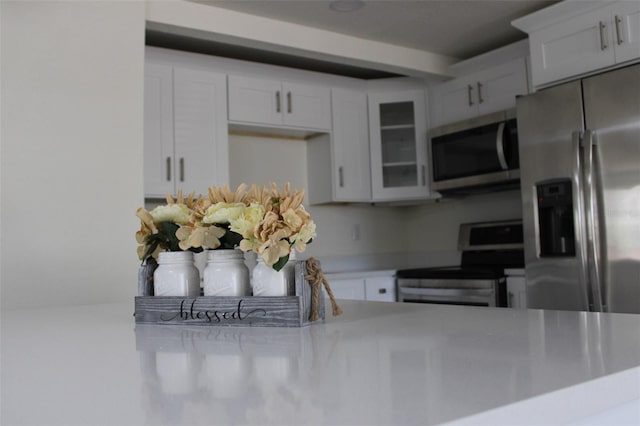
315,277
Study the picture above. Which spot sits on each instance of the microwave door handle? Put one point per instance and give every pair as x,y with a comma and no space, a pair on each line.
500,147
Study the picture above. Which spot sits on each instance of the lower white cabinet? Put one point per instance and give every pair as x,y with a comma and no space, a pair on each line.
352,289
381,289
374,288
517,292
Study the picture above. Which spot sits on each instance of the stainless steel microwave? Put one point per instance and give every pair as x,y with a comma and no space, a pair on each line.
476,155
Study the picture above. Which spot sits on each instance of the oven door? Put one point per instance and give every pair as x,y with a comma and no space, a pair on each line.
470,292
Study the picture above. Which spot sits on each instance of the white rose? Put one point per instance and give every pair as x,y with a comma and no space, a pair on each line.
222,213
176,213
247,221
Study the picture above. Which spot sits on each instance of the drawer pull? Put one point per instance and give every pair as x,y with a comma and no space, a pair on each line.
382,291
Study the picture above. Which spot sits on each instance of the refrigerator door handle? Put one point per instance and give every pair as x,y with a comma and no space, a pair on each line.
579,209
591,179
500,147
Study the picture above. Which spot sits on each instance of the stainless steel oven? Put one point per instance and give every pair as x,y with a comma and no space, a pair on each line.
488,249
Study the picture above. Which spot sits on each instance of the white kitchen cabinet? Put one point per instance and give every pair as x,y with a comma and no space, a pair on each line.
398,141
186,137
516,289
582,38
372,288
346,150
352,289
489,90
261,101
381,289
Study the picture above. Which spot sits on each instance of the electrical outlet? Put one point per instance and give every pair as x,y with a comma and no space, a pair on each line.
355,232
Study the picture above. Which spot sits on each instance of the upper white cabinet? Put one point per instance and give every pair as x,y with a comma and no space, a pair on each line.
339,165
274,103
185,130
575,38
398,141
489,90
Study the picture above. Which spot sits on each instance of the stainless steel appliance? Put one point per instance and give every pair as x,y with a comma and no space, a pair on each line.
487,250
476,155
580,165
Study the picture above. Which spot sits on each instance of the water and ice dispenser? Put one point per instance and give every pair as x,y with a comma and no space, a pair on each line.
555,219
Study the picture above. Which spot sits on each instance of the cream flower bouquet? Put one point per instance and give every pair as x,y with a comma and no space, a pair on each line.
259,219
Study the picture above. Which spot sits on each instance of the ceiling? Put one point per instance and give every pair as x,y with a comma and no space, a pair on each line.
455,28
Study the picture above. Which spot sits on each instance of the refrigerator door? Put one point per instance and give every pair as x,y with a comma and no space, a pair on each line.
612,119
550,125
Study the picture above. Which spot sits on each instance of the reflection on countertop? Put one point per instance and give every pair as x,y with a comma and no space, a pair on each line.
379,363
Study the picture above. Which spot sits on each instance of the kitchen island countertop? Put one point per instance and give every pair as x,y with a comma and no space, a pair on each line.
379,363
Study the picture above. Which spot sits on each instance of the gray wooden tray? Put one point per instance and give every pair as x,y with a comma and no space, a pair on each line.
250,311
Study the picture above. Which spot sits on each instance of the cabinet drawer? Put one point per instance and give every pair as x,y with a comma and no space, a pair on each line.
381,289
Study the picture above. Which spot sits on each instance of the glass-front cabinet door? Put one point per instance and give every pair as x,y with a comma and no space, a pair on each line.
398,135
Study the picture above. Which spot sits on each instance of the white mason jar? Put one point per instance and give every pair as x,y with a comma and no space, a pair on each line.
266,281
176,275
226,274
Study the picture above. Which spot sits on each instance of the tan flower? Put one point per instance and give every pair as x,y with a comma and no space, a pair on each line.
275,248
302,238
188,201
199,236
147,227
224,194
270,227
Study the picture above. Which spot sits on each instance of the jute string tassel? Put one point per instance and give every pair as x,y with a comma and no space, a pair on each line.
316,278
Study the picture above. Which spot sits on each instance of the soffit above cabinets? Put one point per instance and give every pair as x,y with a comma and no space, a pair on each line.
459,29
382,39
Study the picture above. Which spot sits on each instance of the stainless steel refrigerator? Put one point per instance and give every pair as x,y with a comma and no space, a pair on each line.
580,175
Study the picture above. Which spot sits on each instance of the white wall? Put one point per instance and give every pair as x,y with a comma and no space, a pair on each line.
71,150
425,234
262,160
435,226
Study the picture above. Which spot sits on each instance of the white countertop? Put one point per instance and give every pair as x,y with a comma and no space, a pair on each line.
379,363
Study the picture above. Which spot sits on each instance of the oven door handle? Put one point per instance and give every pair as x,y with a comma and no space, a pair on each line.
451,295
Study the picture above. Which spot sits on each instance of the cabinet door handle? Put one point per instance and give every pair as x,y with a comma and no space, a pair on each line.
278,101
289,103
182,170
470,94
480,100
168,169
424,176
341,177
603,40
618,33
382,291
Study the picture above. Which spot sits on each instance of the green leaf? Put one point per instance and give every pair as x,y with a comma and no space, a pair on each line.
169,230
280,263
230,240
